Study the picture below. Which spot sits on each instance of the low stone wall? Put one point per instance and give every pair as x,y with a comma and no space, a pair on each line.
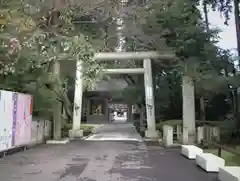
208,133
40,131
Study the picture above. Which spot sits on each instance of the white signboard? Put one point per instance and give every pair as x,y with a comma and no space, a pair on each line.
149,92
6,120
1,121
23,120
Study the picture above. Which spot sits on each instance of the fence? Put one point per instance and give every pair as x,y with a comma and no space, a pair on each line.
173,134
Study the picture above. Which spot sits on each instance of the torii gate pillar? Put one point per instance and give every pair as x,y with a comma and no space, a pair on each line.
76,132
149,100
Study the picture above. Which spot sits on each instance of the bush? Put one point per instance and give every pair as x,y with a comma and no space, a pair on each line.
230,158
209,123
229,132
87,129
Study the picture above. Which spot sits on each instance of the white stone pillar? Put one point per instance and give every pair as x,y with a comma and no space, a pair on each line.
188,105
216,133
77,109
168,135
199,134
149,98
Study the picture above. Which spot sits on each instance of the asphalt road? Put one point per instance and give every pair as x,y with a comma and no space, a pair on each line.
88,160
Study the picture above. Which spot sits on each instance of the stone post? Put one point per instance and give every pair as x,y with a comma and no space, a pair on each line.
189,106
216,133
199,134
168,135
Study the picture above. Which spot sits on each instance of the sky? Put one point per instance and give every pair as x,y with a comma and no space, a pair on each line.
228,34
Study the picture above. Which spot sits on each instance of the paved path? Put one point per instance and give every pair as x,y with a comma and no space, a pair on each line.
101,161
116,132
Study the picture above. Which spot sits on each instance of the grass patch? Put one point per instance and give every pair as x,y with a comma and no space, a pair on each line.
87,129
230,159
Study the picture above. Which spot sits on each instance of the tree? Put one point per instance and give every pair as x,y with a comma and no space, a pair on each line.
183,30
177,25
41,35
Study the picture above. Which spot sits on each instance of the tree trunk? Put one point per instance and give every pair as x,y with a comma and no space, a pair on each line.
237,24
202,103
105,37
67,106
188,106
57,107
57,121
205,10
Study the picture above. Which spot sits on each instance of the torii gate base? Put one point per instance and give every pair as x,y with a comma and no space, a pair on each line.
151,131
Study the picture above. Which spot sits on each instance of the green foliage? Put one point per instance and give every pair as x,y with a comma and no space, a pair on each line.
46,35
222,6
132,93
33,38
175,25
230,158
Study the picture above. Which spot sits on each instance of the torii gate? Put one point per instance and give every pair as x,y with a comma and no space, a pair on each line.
148,84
